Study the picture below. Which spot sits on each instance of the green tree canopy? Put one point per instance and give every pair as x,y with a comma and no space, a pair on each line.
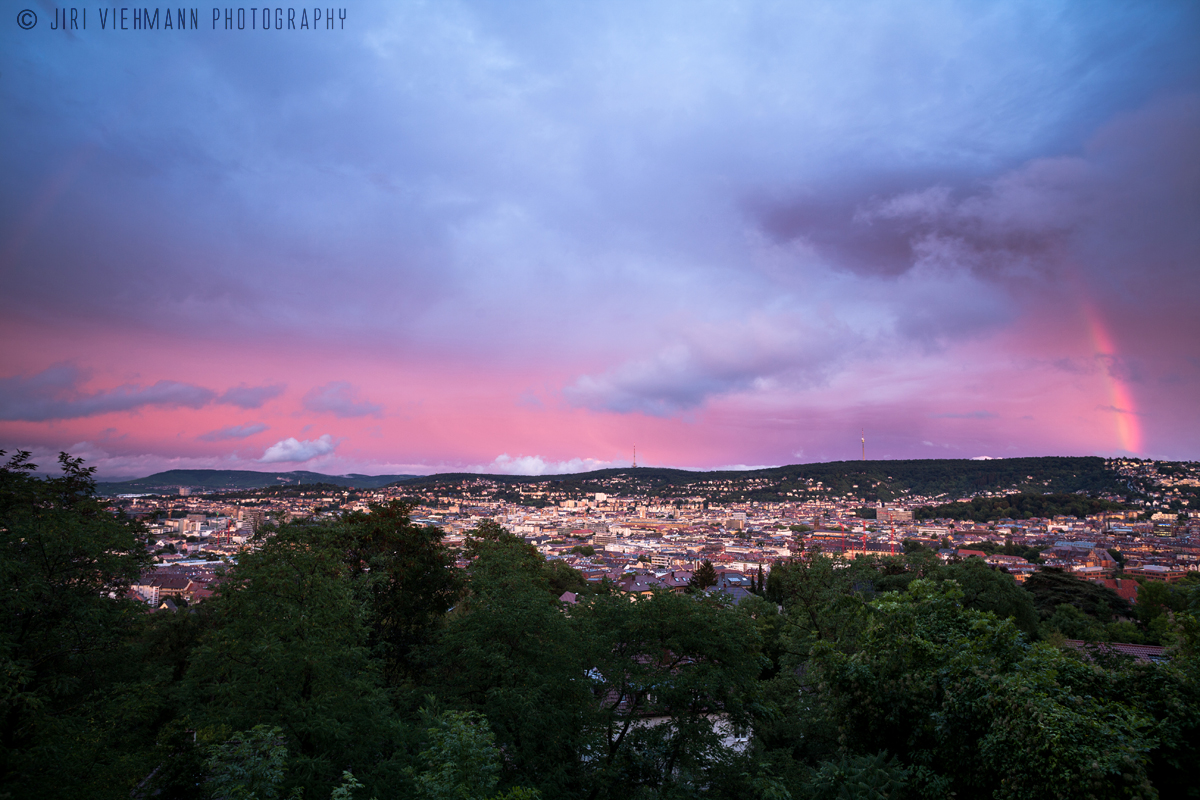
1053,587
290,649
704,577
66,625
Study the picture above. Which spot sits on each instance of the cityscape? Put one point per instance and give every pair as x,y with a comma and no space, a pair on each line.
618,528
650,400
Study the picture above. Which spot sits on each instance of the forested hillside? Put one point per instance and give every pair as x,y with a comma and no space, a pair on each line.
869,481
350,658
1019,506
219,479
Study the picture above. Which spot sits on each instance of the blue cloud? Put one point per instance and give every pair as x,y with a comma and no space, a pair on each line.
340,399
250,396
54,394
233,432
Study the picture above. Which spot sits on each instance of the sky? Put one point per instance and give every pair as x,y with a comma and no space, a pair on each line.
528,237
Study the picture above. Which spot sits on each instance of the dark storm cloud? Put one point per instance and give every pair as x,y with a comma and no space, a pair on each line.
936,264
1133,192
543,165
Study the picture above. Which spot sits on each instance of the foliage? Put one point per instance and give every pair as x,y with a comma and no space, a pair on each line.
703,577
461,762
670,672
248,766
987,589
406,573
289,647
508,652
929,680
66,627
562,577
866,777
1052,587
1019,506
878,677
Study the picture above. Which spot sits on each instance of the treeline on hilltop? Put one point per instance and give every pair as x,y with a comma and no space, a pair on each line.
1019,506
234,479
350,658
292,490
883,481
870,481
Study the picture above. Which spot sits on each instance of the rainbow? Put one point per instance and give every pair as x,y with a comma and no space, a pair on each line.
1121,402
41,205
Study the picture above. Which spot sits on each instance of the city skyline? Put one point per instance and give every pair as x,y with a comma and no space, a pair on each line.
526,239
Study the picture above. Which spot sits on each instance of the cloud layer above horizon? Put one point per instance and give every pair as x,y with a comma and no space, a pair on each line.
528,237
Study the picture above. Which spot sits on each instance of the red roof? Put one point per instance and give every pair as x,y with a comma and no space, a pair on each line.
1127,589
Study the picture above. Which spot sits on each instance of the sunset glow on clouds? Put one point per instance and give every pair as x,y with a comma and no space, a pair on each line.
526,237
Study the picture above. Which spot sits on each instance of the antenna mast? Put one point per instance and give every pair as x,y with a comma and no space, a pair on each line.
635,456
864,443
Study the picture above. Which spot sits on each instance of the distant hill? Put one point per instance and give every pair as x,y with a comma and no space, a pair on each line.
217,479
870,481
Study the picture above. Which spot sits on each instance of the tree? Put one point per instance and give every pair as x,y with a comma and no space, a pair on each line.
290,648
670,674
462,761
66,564
1074,624
1052,587
562,577
406,572
876,777
248,765
1118,556
704,577
508,651
928,679
987,589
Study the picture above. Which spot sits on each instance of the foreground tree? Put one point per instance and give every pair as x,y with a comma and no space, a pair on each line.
704,577
290,649
405,572
673,678
928,680
66,564
508,652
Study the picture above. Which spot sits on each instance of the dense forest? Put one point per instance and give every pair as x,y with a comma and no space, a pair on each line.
1019,506
349,658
